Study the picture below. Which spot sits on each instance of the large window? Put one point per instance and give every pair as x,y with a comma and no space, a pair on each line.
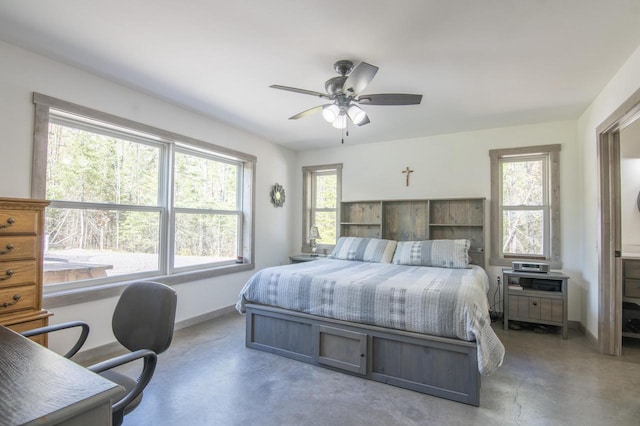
129,201
321,198
525,205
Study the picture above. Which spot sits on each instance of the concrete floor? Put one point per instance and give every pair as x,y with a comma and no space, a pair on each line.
208,377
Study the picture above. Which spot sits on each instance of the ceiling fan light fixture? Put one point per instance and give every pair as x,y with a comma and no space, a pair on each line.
340,122
344,96
330,112
356,114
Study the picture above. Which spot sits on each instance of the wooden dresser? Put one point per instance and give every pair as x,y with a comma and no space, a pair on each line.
21,253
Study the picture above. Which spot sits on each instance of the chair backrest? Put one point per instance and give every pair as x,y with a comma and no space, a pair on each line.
144,316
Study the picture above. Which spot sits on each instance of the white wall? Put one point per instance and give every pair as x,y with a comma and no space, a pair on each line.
457,165
629,187
622,85
22,73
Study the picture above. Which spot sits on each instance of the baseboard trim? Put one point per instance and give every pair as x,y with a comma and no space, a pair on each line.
205,317
110,350
576,325
593,340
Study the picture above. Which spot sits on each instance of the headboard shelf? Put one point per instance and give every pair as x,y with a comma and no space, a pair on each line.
414,220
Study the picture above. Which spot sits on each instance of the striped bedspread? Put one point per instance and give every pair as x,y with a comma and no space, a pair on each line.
436,301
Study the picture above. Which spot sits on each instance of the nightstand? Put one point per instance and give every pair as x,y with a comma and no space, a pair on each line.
299,258
536,298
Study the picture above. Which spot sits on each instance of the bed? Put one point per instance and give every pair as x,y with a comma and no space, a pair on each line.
374,309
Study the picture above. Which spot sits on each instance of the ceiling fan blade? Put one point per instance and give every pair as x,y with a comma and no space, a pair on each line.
307,112
390,99
359,78
303,91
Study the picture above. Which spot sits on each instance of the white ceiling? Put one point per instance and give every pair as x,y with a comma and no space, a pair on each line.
479,64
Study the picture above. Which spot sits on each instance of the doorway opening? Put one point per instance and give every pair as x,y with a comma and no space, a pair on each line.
610,295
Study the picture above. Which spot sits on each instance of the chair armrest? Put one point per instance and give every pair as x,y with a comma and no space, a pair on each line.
56,327
149,366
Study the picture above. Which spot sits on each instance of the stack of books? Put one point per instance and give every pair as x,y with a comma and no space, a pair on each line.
515,287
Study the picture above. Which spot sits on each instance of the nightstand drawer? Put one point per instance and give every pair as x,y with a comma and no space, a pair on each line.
18,222
536,308
551,310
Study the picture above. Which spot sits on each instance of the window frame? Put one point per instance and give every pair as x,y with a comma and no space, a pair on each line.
550,154
59,294
308,201
186,149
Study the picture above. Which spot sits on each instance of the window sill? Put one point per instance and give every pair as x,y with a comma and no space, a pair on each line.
56,299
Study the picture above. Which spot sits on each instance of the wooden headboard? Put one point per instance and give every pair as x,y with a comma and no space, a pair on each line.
414,220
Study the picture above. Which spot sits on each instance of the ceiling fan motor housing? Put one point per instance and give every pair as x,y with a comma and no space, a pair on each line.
334,85
343,67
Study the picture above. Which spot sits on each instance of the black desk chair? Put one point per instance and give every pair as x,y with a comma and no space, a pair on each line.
142,322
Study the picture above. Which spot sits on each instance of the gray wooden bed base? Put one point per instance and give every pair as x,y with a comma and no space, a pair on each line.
438,366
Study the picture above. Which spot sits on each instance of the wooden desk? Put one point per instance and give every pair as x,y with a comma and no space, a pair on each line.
40,387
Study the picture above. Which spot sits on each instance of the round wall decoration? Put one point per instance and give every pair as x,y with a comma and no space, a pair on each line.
277,195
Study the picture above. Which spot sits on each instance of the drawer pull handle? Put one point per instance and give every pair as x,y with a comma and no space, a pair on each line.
7,275
16,299
535,303
8,250
10,222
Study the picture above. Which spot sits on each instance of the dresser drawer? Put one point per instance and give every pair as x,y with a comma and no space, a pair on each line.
18,222
17,298
17,272
631,268
30,325
631,287
17,248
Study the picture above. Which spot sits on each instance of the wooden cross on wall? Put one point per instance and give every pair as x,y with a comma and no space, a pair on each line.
408,171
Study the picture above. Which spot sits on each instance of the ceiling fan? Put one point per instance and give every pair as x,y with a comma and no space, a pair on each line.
344,93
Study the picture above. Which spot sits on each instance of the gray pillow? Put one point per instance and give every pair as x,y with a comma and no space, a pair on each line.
440,253
364,249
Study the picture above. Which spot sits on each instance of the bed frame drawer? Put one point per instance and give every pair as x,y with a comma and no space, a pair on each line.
439,366
280,335
346,350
